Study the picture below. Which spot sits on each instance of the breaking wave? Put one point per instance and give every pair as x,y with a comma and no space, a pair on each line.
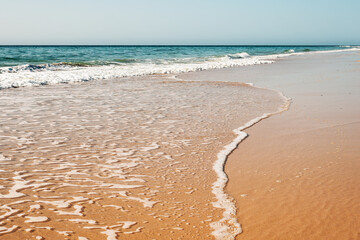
35,75
238,55
71,72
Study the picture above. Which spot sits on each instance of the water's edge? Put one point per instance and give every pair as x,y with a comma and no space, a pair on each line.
228,227
37,75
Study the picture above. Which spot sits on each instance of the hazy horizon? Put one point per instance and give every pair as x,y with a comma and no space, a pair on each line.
160,22
178,45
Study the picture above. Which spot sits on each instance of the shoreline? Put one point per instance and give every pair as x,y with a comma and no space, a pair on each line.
297,77
155,161
277,152
138,152
30,75
224,200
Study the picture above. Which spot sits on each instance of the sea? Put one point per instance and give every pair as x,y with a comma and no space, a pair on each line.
42,65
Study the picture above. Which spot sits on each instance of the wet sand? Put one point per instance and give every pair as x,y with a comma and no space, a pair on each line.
296,176
119,159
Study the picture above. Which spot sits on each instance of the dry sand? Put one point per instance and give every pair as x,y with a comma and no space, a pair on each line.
297,175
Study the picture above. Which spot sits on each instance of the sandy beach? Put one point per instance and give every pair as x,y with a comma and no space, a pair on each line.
134,158
297,174
179,120
300,170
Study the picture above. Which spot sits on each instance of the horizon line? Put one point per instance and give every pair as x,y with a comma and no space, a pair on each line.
173,45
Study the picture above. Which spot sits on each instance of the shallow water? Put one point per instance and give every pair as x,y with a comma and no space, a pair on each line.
103,55
43,65
129,158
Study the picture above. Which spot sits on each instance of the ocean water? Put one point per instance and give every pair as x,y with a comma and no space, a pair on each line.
43,65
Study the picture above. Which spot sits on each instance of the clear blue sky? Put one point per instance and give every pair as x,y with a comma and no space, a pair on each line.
180,22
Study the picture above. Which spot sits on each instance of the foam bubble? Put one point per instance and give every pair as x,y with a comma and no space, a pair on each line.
83,221
65,233
5,230
36,219
10,212
34,207
77,212
111,234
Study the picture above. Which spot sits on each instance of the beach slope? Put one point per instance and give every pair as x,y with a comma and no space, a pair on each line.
297,174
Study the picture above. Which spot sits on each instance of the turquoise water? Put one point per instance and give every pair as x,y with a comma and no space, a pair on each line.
104,55
22,66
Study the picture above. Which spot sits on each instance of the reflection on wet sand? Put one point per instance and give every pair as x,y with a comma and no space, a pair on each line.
129,158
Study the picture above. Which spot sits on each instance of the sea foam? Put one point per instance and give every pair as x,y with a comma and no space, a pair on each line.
228,227
36,75
238,55
30,75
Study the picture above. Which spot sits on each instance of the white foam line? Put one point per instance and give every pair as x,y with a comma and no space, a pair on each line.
83,221
23,77
77,212
111,234
10,212
4,230
36,219
228,227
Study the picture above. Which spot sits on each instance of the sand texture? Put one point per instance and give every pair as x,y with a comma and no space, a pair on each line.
297,175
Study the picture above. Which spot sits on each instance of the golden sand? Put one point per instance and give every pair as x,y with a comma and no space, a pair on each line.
297,174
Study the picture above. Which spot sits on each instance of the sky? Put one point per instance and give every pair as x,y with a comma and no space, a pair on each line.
251,22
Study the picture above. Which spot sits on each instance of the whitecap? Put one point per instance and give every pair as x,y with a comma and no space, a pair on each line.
238,55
